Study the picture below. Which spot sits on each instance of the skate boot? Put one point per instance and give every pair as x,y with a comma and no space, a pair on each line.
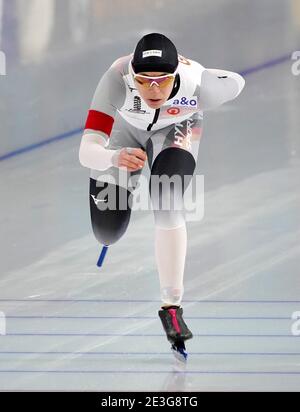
176,330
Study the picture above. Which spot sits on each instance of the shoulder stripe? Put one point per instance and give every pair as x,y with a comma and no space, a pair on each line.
99,121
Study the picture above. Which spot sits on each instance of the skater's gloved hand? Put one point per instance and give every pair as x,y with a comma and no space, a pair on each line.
129,158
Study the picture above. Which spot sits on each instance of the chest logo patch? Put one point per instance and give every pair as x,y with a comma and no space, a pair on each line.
185,102
173,110
137,106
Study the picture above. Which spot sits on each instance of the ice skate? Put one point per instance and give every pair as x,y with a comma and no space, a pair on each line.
176,330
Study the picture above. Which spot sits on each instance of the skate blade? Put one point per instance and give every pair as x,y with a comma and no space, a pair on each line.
180,353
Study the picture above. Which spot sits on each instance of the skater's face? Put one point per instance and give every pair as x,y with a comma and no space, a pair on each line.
154,93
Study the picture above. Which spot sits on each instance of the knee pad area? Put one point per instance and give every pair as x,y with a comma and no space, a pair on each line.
170,175
174,162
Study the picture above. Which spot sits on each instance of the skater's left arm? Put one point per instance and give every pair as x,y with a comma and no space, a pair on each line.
219,86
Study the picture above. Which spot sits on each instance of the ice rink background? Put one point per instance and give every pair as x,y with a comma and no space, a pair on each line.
73,326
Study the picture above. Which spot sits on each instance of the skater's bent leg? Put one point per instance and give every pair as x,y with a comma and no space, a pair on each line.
109,223
170,227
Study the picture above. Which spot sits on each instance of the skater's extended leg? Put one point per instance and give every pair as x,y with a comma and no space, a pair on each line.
171,241
170,227
172,154
176,161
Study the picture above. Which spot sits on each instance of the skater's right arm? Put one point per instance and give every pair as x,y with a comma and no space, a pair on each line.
93,154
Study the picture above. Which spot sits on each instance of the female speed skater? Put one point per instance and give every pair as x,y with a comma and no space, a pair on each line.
160,97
